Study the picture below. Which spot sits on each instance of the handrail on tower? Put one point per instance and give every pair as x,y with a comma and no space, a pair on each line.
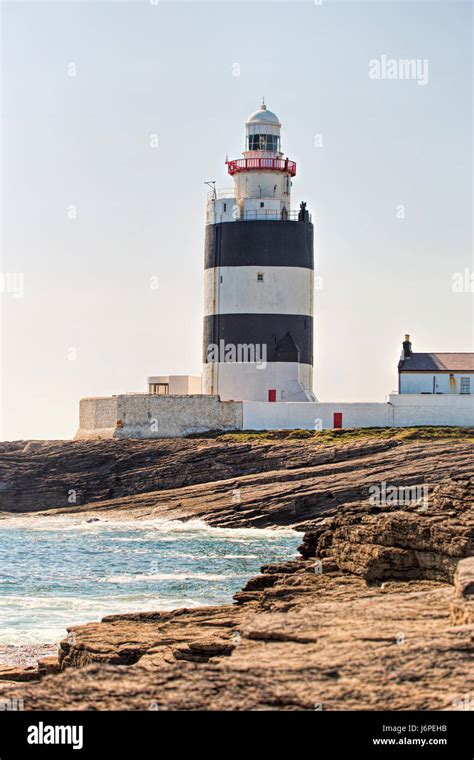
265,164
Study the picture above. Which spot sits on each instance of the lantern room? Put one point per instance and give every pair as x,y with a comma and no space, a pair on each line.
263,132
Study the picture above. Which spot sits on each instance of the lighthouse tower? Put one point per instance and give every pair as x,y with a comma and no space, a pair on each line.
258,308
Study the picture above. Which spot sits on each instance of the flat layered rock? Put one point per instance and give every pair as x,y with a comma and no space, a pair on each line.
18,673
151,636
387,541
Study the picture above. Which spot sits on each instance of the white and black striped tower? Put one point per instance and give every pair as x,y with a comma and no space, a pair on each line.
258,310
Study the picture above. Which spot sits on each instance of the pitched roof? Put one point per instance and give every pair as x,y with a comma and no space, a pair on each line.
437,363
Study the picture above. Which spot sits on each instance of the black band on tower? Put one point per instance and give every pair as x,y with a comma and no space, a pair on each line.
287,337
262,243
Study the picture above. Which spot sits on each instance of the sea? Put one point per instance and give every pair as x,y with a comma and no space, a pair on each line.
64,570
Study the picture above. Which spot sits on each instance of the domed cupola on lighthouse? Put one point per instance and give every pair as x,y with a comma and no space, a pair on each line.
263,131
258,310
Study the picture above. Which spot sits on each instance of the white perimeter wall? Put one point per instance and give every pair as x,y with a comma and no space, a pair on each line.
150,416
401,411
259,415
446,409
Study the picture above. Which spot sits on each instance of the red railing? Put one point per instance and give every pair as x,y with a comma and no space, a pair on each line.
271,164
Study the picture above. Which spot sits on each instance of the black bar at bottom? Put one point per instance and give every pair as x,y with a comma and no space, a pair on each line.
151,734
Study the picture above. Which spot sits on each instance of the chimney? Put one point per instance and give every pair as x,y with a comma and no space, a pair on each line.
406,352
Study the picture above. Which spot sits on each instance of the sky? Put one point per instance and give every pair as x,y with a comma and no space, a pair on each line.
115,114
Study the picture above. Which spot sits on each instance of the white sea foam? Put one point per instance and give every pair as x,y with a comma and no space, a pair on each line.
129,578
211,555
74,522
29,621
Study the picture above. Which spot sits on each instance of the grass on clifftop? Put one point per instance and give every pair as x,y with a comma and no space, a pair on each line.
345,435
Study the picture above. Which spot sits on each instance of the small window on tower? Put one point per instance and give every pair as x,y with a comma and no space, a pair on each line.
260,277
262,205
225,206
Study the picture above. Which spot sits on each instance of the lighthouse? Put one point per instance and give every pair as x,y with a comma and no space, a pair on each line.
258,281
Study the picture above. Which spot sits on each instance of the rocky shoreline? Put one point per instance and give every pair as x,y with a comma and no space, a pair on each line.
376,613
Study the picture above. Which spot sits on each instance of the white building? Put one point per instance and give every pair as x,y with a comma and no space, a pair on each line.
451,373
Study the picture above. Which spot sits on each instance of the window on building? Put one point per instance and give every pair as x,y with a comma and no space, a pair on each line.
259,276
160,389
264,142
262,204
465,385
225,206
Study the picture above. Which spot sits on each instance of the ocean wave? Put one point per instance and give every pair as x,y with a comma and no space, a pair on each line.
47,622
130,578
73,522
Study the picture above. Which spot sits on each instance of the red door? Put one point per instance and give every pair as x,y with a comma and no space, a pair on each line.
272,394
337,420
